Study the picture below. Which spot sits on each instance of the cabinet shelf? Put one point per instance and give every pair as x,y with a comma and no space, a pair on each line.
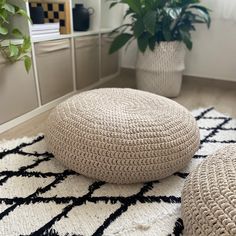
106,30
64,36
43,38
86,33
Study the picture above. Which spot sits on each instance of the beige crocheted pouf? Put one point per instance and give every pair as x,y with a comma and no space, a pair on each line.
122,135
209,196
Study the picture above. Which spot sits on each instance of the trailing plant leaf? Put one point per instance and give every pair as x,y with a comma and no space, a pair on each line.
27,62
9,8
155,21
13,51
9,50
3,30
17,33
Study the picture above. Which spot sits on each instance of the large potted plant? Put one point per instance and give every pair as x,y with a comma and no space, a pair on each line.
162,29
13,52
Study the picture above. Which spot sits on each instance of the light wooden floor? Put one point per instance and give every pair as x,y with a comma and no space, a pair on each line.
196,93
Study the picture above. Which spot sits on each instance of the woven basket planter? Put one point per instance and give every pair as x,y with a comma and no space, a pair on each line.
160,71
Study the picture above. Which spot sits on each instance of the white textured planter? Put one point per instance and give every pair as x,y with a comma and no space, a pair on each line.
161,71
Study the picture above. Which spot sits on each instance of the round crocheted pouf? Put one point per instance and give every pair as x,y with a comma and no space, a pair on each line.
209,196
122,135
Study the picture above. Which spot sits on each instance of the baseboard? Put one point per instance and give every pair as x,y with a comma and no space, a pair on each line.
210,78
132,71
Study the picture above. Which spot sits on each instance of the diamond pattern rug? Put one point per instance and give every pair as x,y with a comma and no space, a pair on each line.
39,196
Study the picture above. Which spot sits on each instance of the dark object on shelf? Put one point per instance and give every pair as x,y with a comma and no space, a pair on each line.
55,11
37,15
81,17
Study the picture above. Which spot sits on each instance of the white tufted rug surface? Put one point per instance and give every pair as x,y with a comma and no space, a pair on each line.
38,196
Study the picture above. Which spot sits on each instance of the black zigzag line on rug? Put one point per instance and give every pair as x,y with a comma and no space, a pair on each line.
21,171
215,130
225,141
35,154
179,227
199,156
203,113
67,209
36,174
214,117
124,207
57,180
221,129
181,175
53,232
22,145
77,200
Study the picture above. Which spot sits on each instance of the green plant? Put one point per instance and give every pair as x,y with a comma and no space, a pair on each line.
155,21
9,50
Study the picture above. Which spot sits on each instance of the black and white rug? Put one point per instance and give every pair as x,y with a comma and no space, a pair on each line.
38,196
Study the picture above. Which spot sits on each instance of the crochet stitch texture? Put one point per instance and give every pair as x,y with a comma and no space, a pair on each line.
122,135
209,196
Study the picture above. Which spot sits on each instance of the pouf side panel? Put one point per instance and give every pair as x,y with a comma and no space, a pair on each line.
209,196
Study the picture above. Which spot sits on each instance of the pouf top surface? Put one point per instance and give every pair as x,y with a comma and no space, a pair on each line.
209,196
124,110
122,135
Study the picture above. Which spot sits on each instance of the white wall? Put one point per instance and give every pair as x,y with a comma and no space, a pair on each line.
213,54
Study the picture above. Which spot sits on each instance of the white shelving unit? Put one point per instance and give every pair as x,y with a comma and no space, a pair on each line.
103,21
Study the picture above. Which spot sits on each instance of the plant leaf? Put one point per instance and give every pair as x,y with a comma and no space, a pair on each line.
13,51
23,13
28,63
143,42
17,33
138,28
113,4
2,2
152,43
26,44
186,39
4,16
204,13
3,30
119,42
150,20
135,5
9,8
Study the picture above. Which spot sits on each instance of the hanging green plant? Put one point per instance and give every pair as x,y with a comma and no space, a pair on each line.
13,52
